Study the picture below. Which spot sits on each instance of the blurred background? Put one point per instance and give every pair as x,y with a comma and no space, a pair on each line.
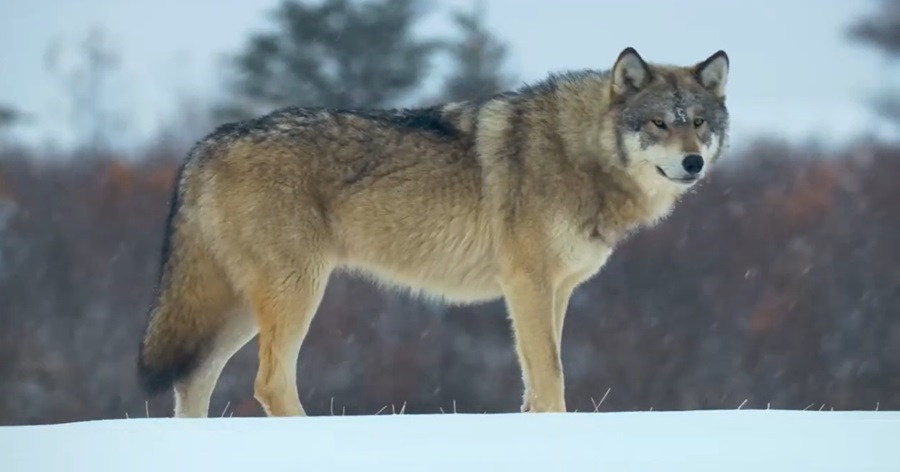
775,284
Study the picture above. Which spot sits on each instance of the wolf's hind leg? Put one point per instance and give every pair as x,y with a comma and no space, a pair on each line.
192,393
285,306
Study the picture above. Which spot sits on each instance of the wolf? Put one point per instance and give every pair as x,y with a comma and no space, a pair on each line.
520,196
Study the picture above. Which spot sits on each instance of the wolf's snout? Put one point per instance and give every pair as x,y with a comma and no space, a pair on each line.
693,164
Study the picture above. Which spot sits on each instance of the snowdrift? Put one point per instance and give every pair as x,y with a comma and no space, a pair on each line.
736,440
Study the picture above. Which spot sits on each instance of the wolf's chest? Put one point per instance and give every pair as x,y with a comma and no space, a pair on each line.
580,249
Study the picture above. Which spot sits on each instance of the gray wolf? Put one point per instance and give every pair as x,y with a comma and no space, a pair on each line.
522,196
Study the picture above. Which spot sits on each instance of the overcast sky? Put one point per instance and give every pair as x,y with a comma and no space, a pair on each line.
793,72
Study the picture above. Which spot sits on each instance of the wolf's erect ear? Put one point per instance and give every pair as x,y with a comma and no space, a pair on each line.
713,73
630,73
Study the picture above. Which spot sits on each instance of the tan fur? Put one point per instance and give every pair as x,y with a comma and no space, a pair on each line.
523,198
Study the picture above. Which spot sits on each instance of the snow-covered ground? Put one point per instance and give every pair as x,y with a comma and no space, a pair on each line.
737,440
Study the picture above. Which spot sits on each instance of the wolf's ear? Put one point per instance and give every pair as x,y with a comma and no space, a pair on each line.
630,73
713,73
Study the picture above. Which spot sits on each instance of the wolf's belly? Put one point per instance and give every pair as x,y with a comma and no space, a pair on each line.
459,266
457,283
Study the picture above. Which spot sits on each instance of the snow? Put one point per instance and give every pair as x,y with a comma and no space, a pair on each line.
736,440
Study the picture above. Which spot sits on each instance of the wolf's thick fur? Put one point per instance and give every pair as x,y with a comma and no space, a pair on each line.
521,196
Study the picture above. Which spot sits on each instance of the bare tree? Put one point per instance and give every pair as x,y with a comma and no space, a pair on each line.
9,115
90,88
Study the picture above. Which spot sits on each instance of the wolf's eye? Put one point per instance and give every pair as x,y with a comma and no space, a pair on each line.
660,124
698,122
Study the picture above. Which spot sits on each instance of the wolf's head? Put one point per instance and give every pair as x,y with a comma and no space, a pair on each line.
671,122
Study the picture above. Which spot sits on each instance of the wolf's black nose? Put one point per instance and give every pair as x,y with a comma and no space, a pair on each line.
692,163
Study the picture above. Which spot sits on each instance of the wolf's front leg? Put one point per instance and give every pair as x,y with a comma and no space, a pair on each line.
529,298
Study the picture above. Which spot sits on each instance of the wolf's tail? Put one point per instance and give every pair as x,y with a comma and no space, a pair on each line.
192,293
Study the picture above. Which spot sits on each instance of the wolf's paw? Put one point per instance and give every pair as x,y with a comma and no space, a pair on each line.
532,406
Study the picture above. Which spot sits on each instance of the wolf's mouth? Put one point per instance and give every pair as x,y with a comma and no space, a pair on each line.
685,180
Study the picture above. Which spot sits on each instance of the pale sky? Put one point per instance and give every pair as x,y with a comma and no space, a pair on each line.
793,73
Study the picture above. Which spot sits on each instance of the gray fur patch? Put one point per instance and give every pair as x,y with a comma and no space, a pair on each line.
681,116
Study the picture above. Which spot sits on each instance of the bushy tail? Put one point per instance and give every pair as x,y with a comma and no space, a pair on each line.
192,294
168,352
